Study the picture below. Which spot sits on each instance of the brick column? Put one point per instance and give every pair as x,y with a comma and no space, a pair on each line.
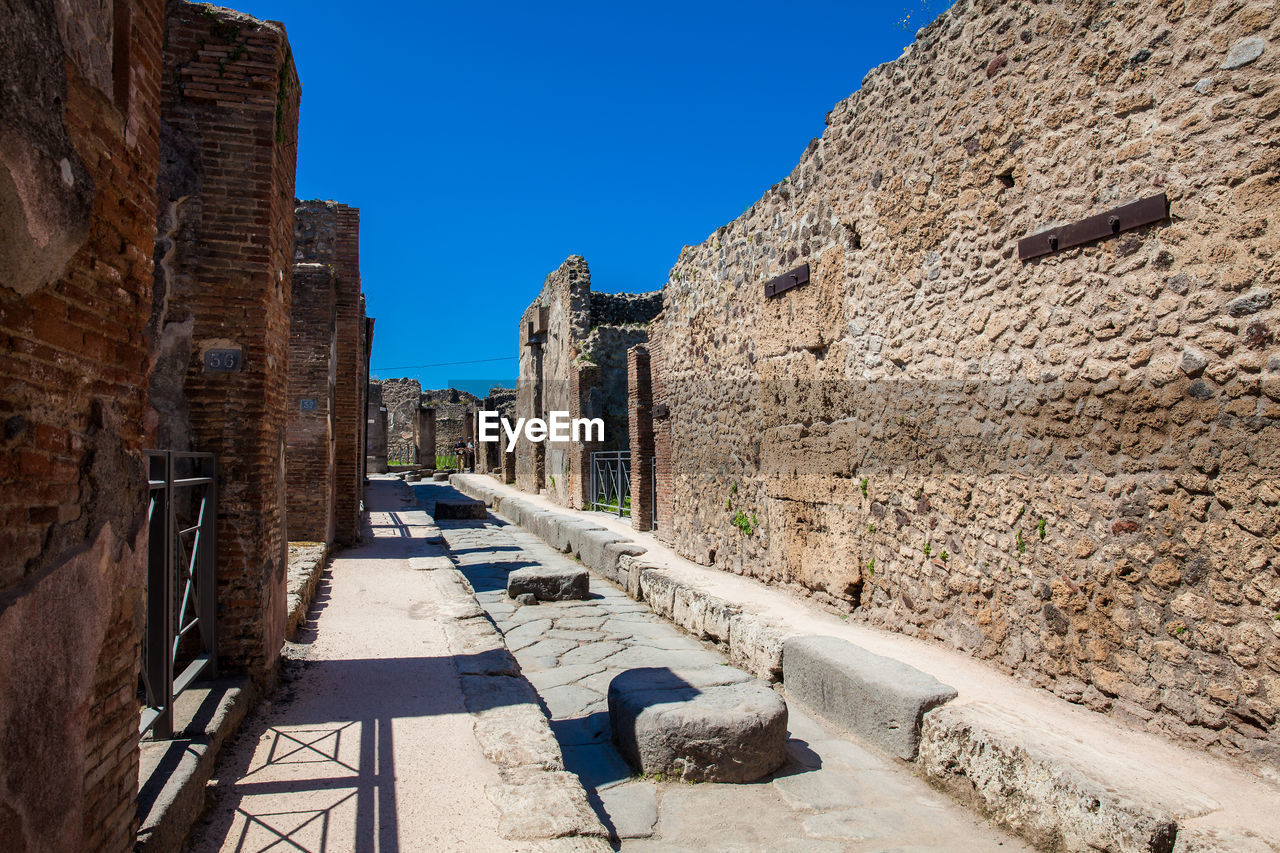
309,436
352,381
662,511
230,99
640,431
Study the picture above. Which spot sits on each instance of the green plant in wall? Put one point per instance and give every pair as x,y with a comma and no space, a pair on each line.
871,528
1040,526
871,567
944,556
746,524
1020,543
863,485
928,549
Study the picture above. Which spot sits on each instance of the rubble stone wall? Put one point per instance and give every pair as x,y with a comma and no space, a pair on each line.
79,152
1066,467
573,358
402,397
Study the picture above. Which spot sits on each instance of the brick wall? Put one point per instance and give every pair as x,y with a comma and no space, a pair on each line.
375,430
664,515
329,233
640,417
72,485
309,457
230,100
1064,467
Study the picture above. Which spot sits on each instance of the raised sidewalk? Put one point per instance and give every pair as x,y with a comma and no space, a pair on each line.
1059,775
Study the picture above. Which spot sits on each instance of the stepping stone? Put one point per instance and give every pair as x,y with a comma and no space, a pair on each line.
706,724
440,476
548,583
460,508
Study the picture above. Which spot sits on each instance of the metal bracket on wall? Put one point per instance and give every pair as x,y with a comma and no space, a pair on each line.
780,285
1123,218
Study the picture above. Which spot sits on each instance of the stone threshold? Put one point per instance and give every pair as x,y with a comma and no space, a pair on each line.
173,773
1057,774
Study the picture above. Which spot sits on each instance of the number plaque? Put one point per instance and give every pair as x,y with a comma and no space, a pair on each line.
222,360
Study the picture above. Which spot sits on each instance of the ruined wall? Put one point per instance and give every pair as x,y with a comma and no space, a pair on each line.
1066,467
309,438
329,233
402,398
79,148
230,105
376,430
573,358
455,415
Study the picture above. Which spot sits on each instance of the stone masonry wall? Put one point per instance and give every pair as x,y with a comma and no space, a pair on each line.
329,233
1066,467
455,416
402,398
573,358
309,439
624,309
230,104
79,149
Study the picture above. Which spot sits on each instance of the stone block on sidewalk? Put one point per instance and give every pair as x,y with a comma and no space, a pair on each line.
705,724
548,583
876,698
460,508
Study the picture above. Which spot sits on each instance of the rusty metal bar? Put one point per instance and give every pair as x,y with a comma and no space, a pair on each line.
1126,217
781,284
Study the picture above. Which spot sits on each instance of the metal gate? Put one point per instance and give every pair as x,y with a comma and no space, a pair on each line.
180,642
611,481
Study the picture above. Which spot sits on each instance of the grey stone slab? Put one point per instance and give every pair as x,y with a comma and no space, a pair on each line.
546,649
876,698
635,657
591,654
576,636
577,622
632,808
714,724
597,764
819,790
548,583
560,675
1243,52
542,804
527,633
571,700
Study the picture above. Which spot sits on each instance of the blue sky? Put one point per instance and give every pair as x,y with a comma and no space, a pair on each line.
486,142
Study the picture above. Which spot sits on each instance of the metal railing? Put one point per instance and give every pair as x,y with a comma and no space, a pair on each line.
181,582
611,482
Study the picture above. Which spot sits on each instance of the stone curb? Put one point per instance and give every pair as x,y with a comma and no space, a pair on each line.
877,698
538,801
1061,797
306,566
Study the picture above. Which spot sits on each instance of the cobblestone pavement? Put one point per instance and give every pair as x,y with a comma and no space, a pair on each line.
833,795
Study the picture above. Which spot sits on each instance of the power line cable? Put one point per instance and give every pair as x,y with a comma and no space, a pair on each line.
443,364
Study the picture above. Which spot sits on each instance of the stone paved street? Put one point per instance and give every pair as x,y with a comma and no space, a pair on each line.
833,795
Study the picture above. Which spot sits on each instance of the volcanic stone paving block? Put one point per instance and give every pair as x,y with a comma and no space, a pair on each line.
832,795
712,724
548,583
876,698
460,508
